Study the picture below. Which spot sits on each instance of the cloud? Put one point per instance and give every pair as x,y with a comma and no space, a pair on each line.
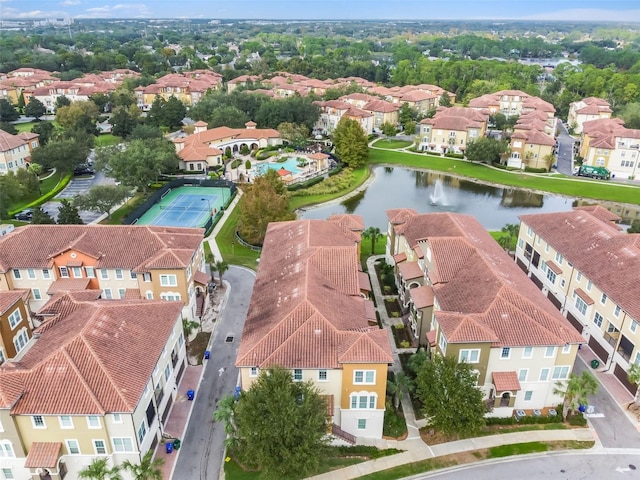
17,14
70,3
119,10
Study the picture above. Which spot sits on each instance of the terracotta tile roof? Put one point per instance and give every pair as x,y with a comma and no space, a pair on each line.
68,284
601,213
410,270
554,268
96,359
43,455
306,310
34,246
9,298
201,278
132,294
364,282
506,381
399,257
422,297
431,337
9,142
400,215
584,296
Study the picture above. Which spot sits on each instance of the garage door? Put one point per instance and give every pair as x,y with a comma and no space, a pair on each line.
556,302
575,322
598,349
537,281
522,265
621,375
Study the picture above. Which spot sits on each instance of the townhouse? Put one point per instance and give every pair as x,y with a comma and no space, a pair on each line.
452,129
92,383
587,109
507,102
15,323
588,267
466,298
75,91
15,150
608,143
16,82
308,313
188,87
332,111
123,262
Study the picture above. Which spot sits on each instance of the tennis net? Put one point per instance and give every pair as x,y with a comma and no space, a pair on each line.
191,208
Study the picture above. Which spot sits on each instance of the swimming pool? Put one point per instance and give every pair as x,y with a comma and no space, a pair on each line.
290,164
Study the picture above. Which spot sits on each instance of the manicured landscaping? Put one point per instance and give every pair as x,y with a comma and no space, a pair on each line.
358,177
394,425
107,139
49,187
391,144
573,187
233,252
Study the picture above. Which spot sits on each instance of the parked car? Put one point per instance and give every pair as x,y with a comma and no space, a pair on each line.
25,215
83,170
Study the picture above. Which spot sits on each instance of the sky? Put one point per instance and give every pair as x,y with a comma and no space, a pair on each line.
587,10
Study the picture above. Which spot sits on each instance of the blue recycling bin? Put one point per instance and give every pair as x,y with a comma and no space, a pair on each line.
191,394
207,354
169,447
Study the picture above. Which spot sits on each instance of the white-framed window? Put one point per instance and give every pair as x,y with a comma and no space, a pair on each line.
560,373
77,272
527,395
107,293
31,274
167,372
566,348
149,295
527,352
104,274
297,374
46,273
579,276
520,243
637,359
168,280
6,449
362,424
597,319
364,377
505,352
550,352
363,400
65,421
611,328
93,421
171,296
38,421
146,277
142,431
603,299
133,275
469,356
559,258
7,473
616,311
122,293
253,372
551,276
522,374
181,339
73,447
90,271
15,318
633,326
530,231
16,274
117,418
581,306
21,339
544,374
119,274
589,285
322,376
3,358
122,444
443,343
64,272
100,447
36,294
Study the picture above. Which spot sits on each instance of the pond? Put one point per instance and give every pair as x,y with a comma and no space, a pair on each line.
399,187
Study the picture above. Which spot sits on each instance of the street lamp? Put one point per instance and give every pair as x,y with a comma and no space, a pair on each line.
209,202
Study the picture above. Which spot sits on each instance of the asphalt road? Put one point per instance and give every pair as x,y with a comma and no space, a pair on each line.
565,151
201,454
565,466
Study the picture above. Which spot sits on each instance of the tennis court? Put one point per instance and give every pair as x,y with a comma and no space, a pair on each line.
186,207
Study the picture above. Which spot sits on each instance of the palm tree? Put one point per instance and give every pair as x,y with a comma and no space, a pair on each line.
634,377
99,470
225,414
397,386
575,391
221,266
373,233
148,469
210,259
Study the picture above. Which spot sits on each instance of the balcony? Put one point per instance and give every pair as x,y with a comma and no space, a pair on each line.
158,394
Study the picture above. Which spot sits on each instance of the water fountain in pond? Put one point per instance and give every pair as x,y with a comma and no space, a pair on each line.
437,197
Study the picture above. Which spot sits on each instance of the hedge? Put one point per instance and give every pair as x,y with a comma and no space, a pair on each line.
454,155
535,170
46,197
309,183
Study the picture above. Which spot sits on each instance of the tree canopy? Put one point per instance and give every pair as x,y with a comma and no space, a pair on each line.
68,214
8,113
102,198
350,142
63,155
296,135
80,115
486,150
35,108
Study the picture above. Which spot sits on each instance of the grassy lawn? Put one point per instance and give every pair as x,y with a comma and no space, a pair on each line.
497,235
232,252
365,248
360,175
117,217
598,190
106,140
46,186
390,144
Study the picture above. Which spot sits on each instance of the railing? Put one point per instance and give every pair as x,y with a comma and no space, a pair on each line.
338,432
611,340
624,354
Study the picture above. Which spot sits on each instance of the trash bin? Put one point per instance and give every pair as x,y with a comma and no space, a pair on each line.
191,394
595,363
176,444
169,447
207,354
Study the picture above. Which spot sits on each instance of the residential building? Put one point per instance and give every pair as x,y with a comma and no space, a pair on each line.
466,298
123,261
452,129
530,147
188,87
92,383
308,313
608,143
507,102
15,323
15,150
588,267
590,108
75,91
332,111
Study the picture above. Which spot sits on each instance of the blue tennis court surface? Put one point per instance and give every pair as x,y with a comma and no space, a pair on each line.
186,207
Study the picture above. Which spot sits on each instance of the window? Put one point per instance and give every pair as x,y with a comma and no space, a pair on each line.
253,372
505,353
633,326
362,423
322,375
46,274
21,339
297,374
530,231
527,352
36,294
77,272
91,273
469,356
16,274
146,277
31,274
66,421
603,299
167,372
566,349
38,421
560,373
581,306
121,293
104,274
543,266
122,444
7,473
522,374
589,285
520,243
527,395
107,293
64,272
597,319
149,295
100,447
443,343
611,328
550,352
72,447
559,258
364,377
119,275
172,297
142,431
579,276
551,276
15,318
363,400
133,275
93,421
168,280
544,374
6,449
546,247
117,418
637,359
616,311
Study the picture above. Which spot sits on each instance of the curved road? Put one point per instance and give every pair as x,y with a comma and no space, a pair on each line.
203,445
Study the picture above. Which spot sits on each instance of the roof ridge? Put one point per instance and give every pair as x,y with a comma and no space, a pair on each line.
75,368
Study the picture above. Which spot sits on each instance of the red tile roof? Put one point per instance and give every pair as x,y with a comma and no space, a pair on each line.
68,284
10,298
364,282
410,270
506,381
584,296
43,455
422,297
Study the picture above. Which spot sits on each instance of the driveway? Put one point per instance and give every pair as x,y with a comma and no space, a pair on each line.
201,454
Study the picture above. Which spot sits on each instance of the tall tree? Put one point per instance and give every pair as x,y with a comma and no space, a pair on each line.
68,213
123,121
575,391
296,135
35,108
63,155
210,259
388,129
102,198
144,132
44,130
486,150
449,395
9,128
148,468
350,142
372,233
221,267
397,386
281,425
445,100
62,101
173,112
40,217
633,374
225,413
155,114
99,470
8,113
80,115
10,191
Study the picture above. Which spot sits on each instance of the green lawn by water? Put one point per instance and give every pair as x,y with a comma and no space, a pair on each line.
391,144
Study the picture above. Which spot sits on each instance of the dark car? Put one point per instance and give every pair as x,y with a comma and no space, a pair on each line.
25,215
83,170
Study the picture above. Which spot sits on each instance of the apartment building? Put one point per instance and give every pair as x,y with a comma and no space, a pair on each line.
92,383
608,143
588,267
308,313
466,298
188,87
332,111
452,129
15,323
15,150
123,262
585,110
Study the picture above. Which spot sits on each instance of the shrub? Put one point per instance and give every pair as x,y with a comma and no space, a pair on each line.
247,164
454,155
499,165
307,184
405,343
535,170
335,184
335,171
